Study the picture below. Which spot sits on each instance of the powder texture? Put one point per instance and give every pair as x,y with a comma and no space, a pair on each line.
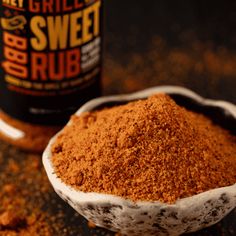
151,149
27,199
20,215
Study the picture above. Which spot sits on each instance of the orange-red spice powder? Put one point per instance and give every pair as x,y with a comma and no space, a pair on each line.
151,150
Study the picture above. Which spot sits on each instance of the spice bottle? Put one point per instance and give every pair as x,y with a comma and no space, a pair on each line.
50,54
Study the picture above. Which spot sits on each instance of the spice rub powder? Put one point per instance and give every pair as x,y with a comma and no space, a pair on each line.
150,149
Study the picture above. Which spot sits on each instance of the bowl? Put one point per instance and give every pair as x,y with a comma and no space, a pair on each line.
151,218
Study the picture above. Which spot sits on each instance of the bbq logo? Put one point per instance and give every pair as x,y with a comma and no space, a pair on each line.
50,47
14,23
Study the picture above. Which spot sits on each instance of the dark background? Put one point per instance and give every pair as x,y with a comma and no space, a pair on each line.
133,23
131,28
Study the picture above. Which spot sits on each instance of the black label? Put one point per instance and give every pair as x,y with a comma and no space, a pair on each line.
50,57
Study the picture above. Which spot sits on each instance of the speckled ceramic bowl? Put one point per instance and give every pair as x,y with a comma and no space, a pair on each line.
153,218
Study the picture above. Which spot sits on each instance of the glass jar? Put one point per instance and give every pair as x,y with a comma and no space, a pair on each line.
50,54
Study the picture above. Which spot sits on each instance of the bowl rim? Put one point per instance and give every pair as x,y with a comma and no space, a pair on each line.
94,197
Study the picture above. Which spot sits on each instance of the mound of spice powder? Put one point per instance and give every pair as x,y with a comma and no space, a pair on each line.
150,149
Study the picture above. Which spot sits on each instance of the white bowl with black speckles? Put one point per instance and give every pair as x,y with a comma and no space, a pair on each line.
151,218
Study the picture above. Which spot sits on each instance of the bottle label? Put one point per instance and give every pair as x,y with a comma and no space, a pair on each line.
50,57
